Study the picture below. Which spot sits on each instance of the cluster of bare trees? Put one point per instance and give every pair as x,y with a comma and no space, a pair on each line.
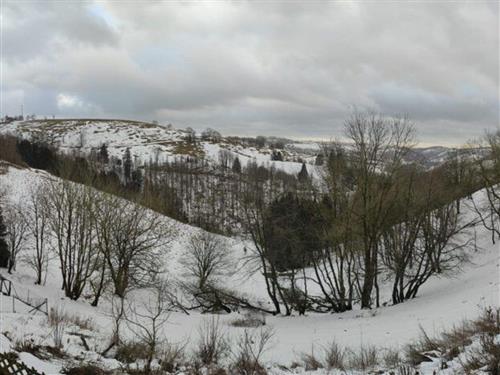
379,220
487,168
101,242
210,196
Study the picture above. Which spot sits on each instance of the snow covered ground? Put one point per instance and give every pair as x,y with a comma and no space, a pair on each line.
441,303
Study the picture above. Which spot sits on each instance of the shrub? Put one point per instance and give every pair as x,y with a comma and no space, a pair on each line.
249,350
414,352
311,362
392,358
250,320
363,359
334,356
130,352
26,345
488,322
486,356
488,353
58,321
85,369
82,322
456,340
213,345
172,357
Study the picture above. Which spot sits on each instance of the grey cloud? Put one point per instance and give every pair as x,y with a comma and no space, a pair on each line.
292,69
426,105
35,28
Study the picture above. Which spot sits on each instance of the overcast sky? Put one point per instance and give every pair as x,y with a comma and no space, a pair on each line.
292,69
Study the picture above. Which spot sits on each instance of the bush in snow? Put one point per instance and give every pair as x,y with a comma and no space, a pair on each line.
58,320
213,345
249,350
364,359
84,369
334,356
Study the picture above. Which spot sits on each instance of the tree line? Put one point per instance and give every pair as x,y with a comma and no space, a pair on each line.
377,220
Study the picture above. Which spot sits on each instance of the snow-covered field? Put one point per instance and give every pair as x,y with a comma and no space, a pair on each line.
441,303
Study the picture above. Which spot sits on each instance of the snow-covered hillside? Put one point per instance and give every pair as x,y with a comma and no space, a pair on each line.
442,302
148,141
151,141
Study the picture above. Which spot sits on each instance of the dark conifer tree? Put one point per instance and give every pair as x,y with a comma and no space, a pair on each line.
236,165
303,175
136,180
127,165
277,156
320,159
103,154
292,231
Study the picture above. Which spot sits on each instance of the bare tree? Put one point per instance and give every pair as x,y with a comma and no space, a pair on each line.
17,231
205,263
438,250
379,146
148,320
254,223
335,264
489,175
70,218
424,241
132,240
117,316
36,216
206,259
226,158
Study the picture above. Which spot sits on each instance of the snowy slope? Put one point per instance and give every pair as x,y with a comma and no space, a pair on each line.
441,303
151,141
147,142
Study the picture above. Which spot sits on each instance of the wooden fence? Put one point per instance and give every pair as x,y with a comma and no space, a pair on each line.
5,286
23,295
10,365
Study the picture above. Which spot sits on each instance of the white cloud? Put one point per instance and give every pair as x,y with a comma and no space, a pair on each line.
71,104
65,101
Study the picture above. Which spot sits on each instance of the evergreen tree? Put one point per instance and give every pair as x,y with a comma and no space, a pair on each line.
37,154
292,231
236,165
277,156
260,141
320,159
4,249
103,153
136,180
303,175
127,165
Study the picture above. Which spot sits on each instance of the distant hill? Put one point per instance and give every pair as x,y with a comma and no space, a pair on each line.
151,141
